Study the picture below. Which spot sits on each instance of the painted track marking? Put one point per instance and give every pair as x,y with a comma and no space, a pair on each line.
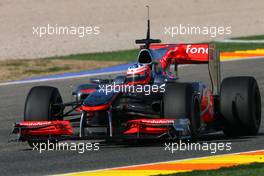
185,165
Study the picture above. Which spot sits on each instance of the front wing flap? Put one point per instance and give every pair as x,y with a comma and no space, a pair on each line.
42,128
174,128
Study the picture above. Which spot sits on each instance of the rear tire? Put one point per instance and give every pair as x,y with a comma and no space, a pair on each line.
240,106
43,103
179,101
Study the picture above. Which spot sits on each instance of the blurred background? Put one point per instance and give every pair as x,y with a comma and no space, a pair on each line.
24,54
120,22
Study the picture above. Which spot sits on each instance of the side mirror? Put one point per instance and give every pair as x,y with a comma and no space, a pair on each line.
100,81
170,80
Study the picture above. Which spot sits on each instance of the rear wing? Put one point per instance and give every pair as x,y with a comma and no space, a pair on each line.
202,53
183,53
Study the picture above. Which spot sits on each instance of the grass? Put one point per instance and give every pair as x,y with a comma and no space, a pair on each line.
124,55
255,169
241,46
223,47
253,37
19,69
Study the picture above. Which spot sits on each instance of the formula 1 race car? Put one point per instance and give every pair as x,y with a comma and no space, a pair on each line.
150,101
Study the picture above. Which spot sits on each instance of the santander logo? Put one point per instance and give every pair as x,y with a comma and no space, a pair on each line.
37,123
197,49
160,121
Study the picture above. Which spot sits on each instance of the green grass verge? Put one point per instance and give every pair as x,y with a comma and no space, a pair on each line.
241,46
255,169
253,37
124,55
223,47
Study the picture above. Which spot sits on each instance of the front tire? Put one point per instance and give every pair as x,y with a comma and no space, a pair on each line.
180,101
43,103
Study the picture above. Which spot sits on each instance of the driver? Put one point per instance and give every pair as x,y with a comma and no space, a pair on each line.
139,74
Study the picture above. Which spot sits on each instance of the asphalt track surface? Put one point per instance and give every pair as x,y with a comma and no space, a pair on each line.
19,159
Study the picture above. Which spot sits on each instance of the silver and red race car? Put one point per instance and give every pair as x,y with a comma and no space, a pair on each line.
149,101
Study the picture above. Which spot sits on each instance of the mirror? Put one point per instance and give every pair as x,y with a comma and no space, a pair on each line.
100,81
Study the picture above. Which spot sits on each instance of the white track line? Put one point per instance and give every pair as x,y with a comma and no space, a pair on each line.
59,78
122,167
95,74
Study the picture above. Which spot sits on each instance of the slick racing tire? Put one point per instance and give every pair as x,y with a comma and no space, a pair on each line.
43,103
240,106
179,102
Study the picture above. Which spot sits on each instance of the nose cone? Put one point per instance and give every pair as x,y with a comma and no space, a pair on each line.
99,97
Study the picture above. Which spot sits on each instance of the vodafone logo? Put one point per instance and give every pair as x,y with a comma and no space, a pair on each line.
196,49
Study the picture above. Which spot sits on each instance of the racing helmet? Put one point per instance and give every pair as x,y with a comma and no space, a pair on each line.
139,74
